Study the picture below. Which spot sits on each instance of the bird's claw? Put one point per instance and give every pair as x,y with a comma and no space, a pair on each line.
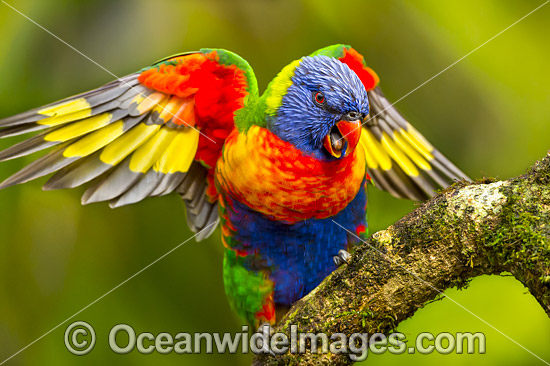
342,257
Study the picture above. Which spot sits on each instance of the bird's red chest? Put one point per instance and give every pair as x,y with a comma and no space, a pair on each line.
272,177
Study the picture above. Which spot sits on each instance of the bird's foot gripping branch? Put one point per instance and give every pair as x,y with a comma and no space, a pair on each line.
469,229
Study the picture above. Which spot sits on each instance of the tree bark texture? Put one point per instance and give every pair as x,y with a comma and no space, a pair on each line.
469,229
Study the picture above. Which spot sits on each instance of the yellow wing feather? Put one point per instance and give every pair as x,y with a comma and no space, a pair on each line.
116,151
398,157
65,107
79,128
94,141
180,153
376,151
59,119
147,154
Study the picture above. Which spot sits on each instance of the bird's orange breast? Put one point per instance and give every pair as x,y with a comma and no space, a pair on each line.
271,176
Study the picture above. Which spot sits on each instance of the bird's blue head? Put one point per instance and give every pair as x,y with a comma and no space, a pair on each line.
317,104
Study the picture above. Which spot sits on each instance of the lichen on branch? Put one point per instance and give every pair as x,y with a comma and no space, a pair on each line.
469,229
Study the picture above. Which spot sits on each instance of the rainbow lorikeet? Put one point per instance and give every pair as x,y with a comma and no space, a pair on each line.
275,169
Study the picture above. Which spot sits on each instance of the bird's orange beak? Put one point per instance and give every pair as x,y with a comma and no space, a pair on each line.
343,137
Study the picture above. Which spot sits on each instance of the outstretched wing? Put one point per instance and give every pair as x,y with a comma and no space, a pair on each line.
150,133
399,159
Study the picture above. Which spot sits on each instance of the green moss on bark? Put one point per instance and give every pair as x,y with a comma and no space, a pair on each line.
469,229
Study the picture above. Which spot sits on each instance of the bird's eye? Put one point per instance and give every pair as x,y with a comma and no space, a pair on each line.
319,98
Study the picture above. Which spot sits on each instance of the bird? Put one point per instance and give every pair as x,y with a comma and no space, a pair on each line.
284,173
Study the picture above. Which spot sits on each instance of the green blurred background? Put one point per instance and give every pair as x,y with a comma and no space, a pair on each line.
490,114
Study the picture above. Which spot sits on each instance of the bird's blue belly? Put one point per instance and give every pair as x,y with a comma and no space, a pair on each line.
298,256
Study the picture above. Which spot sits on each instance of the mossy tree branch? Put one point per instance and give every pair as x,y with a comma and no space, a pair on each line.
470,229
